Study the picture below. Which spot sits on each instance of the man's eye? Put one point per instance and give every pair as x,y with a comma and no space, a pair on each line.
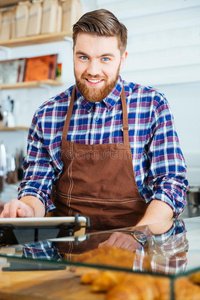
105,59
83,57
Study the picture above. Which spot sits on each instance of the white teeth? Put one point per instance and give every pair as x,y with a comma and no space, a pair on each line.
93,80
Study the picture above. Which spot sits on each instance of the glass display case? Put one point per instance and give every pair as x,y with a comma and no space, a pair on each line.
162,261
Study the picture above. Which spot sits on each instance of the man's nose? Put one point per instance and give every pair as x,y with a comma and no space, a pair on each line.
93,68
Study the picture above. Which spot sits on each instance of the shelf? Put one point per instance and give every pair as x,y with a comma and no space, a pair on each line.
5,3
30,84
37,39
5,128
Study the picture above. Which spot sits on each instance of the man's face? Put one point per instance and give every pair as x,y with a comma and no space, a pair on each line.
97,61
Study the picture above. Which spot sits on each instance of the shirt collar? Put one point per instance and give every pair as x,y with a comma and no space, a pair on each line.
109,101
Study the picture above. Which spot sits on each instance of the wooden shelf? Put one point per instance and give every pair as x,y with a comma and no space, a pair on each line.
37,39
30,84
5,128
5,3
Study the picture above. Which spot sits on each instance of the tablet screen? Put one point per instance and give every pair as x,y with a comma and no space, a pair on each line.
44,221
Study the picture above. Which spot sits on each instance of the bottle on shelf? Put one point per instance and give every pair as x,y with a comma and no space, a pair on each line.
2,165
19,158
59,72
1,116
11,175
9,119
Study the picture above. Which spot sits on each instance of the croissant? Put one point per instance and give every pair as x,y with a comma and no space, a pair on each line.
90,276
101,281
109,256
141,287
131,286
163,287
121,284
185,289
195,278
107,280
124,291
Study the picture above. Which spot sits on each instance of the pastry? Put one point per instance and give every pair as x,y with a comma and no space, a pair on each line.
185,289
121,284
109,256
106,280
133,287
123,291
195,277
90,276
163,287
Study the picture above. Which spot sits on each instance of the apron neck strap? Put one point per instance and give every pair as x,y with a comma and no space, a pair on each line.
124,117
68,117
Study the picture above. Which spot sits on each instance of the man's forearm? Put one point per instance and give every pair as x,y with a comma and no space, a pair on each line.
157,212
36,205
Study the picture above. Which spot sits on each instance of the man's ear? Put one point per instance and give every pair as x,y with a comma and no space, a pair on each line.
123,59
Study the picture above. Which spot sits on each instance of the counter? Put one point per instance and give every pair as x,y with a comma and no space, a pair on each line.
48,269
57,284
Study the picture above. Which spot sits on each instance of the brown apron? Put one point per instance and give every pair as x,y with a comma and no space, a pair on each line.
98,180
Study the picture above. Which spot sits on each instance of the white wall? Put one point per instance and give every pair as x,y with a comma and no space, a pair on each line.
164,52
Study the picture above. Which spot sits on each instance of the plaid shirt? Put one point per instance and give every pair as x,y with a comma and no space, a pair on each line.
165,253
158,163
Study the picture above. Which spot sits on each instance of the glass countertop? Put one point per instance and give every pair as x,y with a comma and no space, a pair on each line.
170,249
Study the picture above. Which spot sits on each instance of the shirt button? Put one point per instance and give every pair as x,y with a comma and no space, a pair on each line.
96,119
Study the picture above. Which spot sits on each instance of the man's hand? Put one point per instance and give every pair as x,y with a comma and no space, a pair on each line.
121,240
16,208
26,207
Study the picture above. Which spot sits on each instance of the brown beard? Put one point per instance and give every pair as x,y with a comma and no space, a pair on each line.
96,94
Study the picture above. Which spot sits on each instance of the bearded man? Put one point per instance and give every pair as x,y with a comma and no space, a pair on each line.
108,146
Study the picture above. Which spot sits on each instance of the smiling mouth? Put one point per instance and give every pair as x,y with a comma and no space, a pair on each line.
94,80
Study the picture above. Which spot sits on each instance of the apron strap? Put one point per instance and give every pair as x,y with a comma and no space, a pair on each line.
124,117
68,118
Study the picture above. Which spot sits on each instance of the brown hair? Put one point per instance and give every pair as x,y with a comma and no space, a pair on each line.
103,23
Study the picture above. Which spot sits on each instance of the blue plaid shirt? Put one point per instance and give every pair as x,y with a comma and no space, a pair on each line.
158,163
